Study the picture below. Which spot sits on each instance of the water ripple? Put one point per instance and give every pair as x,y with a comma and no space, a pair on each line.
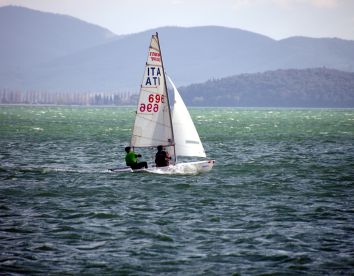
278,201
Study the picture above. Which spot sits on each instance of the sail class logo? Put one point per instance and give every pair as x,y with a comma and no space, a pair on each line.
155,56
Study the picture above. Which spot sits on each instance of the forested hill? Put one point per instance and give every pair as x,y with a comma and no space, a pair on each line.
318,87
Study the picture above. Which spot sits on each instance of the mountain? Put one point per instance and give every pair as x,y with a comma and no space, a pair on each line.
44,51
319,87
30,38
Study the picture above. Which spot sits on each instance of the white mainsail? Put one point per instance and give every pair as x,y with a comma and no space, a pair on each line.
152,126
187,141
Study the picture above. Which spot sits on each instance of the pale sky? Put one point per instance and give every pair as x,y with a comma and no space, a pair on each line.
274,18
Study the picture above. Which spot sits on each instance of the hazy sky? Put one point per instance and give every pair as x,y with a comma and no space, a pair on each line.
275,18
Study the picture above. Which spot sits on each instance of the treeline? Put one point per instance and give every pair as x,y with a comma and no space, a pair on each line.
8,96
320,87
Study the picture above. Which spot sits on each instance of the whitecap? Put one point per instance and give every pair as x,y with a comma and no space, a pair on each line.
37,128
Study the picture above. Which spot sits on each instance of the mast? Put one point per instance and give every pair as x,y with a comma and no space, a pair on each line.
168,102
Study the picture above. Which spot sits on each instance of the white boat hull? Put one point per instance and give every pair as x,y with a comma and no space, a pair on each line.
179,168
183,168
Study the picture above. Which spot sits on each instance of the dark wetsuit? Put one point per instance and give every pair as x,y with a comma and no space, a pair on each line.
162,159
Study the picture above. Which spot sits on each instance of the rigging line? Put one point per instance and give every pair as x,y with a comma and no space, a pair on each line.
156,65
153,48
148,138
150,92
144,87
149,120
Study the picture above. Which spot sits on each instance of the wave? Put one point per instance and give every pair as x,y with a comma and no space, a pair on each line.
45,170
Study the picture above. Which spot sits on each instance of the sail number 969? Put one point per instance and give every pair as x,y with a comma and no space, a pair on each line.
153,105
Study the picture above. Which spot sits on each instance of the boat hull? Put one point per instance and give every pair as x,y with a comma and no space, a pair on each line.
183,168
179,168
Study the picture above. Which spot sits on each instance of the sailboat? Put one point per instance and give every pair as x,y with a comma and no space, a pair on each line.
157,122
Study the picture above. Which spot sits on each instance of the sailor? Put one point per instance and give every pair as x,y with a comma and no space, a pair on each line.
162,158
131,159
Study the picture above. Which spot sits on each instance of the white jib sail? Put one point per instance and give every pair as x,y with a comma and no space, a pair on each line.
152,126
187,141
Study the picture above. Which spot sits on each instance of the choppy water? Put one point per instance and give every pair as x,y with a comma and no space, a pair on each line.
278,201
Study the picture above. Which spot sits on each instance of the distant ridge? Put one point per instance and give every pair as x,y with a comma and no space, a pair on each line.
51,52
30,37
318,87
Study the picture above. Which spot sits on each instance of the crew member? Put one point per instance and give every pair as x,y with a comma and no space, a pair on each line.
131,159
162,158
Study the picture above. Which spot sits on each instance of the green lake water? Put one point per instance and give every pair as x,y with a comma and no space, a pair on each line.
279,199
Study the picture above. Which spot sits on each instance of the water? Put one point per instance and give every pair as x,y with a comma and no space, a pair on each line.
279,199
